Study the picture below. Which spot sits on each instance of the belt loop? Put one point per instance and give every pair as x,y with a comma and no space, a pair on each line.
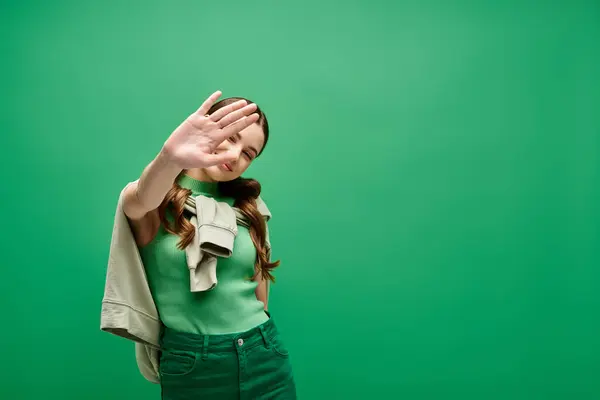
205,348
264,336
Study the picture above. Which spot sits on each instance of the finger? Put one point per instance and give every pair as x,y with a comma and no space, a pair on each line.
220,113
208,103
239,125
234,116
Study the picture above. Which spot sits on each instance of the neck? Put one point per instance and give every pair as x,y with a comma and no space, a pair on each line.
198,186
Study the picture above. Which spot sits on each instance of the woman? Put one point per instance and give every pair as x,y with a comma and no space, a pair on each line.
221,343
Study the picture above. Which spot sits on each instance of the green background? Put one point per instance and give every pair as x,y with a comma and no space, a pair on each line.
432,171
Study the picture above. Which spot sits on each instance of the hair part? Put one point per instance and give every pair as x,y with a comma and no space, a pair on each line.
243,191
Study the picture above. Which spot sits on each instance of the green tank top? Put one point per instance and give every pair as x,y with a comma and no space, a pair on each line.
230,307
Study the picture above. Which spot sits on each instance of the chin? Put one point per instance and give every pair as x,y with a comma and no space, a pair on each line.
218,175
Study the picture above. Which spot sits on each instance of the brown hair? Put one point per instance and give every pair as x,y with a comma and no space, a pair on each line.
244,192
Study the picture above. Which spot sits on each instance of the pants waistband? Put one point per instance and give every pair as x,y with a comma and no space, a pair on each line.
177,340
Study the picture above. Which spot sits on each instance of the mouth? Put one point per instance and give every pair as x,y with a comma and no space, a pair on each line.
226,167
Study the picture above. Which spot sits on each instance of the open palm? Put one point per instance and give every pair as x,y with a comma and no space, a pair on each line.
192,144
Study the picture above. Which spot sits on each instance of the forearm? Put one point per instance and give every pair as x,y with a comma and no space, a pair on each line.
155,181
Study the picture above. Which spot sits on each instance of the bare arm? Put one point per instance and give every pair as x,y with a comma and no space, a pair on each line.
191,145
149,191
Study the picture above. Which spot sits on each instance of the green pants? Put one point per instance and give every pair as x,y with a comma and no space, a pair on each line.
251,365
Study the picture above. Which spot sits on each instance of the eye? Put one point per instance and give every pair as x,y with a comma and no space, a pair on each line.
248,154
232,139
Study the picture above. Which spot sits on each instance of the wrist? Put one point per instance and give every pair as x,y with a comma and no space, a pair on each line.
166,161
165,156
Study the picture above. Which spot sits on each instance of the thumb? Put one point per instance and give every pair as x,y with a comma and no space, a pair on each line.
216,159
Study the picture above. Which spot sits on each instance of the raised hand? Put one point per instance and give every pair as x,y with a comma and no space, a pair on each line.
193,143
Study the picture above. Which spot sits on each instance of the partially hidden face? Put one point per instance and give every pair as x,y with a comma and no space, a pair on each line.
247,144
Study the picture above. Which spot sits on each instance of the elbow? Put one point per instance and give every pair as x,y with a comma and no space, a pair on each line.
133,205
